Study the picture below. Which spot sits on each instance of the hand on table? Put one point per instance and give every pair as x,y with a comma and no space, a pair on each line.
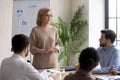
113,71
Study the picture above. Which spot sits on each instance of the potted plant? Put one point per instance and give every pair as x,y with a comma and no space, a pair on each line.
73,37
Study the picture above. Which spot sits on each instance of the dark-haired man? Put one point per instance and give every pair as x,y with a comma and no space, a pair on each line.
88,59
15,67
109,53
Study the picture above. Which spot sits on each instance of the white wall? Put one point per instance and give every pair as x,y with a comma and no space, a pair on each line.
5,28
61,8
55,8
96,21
76,3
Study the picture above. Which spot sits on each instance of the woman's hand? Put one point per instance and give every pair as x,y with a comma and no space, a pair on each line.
55,49
52,50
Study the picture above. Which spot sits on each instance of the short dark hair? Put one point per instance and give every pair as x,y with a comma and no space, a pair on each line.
88,58
19,43
109,34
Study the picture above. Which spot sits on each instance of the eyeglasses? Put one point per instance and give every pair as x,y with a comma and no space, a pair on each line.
48,15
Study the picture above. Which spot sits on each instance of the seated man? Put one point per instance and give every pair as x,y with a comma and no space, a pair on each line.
109,53
15,67
88,59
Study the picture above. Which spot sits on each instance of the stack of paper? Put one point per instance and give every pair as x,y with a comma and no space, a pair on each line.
50,71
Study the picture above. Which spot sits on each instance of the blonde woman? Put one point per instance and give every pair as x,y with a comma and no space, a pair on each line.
44,41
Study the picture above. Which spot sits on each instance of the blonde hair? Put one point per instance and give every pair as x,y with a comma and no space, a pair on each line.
41,12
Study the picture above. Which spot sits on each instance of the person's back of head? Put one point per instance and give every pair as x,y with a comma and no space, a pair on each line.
88,59
19,43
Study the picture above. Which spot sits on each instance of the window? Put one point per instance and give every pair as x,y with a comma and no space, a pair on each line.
112,17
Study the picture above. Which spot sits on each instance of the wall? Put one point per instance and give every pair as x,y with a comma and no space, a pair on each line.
5,28
96,21
76,3
61,8
54,6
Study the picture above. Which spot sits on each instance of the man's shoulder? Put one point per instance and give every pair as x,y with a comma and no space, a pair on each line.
6,59
99,48
68,77
14,61
116,47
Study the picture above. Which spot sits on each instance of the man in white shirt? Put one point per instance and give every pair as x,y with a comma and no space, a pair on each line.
15,67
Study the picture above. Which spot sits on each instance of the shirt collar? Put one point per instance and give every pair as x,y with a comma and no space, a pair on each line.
84,72
17,56
108,49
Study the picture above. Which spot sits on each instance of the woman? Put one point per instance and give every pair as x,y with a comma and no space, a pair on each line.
44,41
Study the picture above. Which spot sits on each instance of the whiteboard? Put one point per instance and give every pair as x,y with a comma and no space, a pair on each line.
25,14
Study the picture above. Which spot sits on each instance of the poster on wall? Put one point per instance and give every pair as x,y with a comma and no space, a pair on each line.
25,14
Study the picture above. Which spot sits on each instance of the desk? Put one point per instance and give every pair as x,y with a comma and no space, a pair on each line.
99,76
61,76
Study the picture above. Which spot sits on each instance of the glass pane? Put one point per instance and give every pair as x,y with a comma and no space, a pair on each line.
118,8
118,30
112,8
118,43
112,24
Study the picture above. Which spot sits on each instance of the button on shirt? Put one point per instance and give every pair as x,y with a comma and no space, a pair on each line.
108,58
16,68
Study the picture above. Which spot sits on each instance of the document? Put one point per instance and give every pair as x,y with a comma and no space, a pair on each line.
50,71
109,77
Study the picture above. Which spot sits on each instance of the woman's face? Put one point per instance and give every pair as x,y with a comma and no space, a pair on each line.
47,17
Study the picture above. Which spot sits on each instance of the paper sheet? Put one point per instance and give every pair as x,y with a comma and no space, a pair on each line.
50,71
108,77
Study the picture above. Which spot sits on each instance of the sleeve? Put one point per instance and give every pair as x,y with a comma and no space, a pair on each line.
58,41
33,74
33,43
101,70
114,61
115,58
